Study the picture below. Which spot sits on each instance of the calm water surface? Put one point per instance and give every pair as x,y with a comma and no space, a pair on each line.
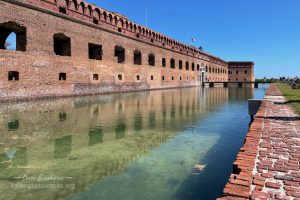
134,146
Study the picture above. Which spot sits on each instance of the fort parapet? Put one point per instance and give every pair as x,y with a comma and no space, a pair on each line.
69,47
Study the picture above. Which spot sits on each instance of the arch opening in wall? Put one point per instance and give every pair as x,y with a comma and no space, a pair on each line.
187,66
193,66
172,63
120,53
198,67
13,76
180,64
151,59
62,44
95,51
13,36
163,62
137,57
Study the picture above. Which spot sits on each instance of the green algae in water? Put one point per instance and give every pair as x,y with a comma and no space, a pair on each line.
101,147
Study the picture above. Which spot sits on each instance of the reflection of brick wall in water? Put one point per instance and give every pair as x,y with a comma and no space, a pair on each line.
71,48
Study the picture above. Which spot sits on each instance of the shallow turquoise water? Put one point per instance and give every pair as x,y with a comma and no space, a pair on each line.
143,145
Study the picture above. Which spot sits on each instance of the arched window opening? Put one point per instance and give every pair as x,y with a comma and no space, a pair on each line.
137,77
62,45
172,63
120,54
12,37
13,76
163,62
193,66
246,72
95,51
206,69
180,64
187,66
198,67
137,57
151,59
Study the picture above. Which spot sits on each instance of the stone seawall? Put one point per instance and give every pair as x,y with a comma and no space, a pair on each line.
267,166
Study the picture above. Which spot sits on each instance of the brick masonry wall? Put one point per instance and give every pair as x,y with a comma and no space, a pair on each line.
267,166
241,72
39,67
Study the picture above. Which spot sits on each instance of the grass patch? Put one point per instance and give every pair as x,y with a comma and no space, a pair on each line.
292,95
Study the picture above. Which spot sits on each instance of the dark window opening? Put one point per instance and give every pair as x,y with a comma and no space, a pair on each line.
151,59
180,78
95,77
163,78
13,125
137,77
237,72
13,76
95,21
180,64
187,66
62,117
120,53
152,78
138,35
137,57
63,10
120,77
62,76
193,67
172,78
163,44
120,30
172,63
95,51
246,71
163,62
198,67
62,45
244,79
12,37
152,40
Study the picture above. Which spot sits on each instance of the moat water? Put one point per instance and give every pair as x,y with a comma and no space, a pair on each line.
157,145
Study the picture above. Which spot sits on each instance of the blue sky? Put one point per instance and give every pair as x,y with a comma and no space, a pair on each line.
264,31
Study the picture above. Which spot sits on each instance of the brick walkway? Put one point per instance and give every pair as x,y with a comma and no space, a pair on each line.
267,166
